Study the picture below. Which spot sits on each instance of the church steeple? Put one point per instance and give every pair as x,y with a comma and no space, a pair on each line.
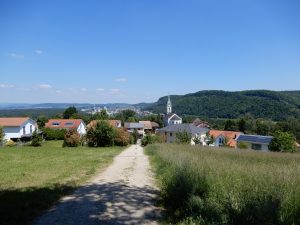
169,105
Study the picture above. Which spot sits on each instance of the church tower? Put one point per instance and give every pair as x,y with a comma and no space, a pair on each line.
169,105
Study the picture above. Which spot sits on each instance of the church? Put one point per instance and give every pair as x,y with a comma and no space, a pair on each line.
171,118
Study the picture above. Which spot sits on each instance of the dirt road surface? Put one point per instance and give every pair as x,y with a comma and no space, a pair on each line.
123,194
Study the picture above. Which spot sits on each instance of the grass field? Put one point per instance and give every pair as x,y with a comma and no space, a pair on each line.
224,186
33,179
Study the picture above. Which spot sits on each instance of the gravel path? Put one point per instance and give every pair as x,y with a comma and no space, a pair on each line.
122,194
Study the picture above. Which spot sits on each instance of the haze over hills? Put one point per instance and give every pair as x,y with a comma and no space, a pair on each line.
275,105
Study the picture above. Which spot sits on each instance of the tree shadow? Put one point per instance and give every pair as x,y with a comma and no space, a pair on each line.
104,203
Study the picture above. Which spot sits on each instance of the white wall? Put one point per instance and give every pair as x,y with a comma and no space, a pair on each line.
81,129
17,132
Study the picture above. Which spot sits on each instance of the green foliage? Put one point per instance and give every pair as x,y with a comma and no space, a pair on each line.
230,125
69,112
151,139
36,139
102,115
261,128
202,186
242,145
209,139
10,143
1,134
264,104
197,140
242,125
283,142
41,121
54,134
183,137
71,138
101,135
135,136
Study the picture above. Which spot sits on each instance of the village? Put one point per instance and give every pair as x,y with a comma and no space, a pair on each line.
18,130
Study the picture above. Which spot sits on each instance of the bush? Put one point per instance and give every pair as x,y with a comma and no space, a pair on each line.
183,137
101,135
151,139
54,134
10,143
283,142
36,140
1,134
242,145
72,138
122,137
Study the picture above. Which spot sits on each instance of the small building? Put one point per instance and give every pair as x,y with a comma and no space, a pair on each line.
171,118
200,123
168,133
67,124
150,127
222,138
132,127
15,128
255,142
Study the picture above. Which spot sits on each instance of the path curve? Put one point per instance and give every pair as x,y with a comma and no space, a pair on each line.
122,194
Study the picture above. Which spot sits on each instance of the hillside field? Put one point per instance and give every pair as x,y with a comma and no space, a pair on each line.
34,178
201,185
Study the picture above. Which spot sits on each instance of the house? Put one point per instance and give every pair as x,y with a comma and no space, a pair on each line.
200,123
255,142
150,127
168,133
171,118
15,128
113,123
67,124
221,137
131,127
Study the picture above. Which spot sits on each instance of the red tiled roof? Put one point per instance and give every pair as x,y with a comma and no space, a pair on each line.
231,135
13,121
147,125
63,123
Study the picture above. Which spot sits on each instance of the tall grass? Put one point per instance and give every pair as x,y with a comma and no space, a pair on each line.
223,186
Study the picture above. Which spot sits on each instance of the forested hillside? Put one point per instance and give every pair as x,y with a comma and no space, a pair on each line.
274,105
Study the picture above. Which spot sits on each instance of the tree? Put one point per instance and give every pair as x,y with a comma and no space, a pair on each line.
101,135
122,137
71,139
183,137
229,125
1,134
102,115
127,113
261,128
41,121
210,139
283,142
69,112
135,136
197,140
36,139
242,125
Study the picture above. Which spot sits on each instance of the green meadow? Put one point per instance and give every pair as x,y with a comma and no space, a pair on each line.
202,185
32,179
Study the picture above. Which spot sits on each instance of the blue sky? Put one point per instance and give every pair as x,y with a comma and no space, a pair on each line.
139,50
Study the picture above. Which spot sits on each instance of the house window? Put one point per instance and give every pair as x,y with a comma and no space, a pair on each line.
256,146
69,124
24,131
220,141
30,128
55,124
171,134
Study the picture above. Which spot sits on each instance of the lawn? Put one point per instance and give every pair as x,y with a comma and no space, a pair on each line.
201,185
32,179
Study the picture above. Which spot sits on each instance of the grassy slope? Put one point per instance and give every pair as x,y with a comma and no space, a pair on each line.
228,186
32,179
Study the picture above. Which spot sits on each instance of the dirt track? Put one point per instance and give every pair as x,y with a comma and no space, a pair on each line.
122,194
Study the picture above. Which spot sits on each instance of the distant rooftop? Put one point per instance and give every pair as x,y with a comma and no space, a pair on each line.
258,139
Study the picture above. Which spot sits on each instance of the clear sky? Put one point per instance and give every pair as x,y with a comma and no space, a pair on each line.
139,50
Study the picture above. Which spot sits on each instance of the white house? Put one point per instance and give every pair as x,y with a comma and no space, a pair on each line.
17,127
169,132
255,142
171,118
67,124
131,127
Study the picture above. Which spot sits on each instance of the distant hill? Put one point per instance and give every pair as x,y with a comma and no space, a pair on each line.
275,105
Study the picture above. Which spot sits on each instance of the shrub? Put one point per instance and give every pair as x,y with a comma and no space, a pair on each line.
101,135
1,134
151,139
122,138
183,137
135,136
36,140
283,142
242,145
54,134
72,138
10,143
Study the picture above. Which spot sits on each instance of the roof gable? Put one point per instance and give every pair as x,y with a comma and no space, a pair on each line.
64,123
13,121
